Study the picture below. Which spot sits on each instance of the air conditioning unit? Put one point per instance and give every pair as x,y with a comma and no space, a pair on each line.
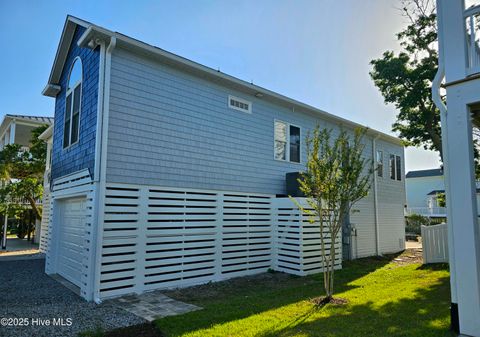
292,184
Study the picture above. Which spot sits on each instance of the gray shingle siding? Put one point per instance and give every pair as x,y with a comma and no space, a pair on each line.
169,128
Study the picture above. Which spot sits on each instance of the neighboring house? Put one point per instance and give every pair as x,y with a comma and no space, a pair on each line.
167,173
423,189
17,129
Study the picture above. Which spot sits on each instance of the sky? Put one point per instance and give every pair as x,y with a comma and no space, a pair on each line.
317,51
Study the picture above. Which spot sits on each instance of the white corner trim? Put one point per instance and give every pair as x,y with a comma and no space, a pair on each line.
100,202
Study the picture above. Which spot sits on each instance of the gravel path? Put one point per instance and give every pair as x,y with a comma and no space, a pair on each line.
27,292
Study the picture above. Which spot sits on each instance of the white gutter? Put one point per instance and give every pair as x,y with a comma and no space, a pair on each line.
102,170
437,100
375,196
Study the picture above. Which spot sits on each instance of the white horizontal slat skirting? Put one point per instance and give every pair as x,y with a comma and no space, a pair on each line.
158,237
298,244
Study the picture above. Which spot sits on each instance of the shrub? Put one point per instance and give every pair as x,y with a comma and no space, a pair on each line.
414,223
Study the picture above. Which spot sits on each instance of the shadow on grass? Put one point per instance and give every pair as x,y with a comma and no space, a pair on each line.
434,266
249,298
422,315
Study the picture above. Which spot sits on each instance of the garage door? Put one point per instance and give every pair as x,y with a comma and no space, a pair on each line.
72,231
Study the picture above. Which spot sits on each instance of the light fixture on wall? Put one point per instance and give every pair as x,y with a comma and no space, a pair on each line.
258,95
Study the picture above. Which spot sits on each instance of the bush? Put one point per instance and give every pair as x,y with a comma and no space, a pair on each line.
414,223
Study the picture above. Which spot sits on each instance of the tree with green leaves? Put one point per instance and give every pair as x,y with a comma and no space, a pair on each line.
21,173
337,176
405,79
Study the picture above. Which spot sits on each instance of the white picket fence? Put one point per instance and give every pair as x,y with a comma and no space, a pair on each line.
435,243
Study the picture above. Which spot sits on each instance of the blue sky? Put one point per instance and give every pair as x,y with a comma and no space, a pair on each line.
315,51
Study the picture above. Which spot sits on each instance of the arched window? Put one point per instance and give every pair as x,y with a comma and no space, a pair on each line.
72,104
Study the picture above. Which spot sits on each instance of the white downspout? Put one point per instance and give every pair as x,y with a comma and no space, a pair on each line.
102,170
375,196
437,100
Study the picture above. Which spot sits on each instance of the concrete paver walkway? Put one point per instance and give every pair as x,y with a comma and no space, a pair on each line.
153,305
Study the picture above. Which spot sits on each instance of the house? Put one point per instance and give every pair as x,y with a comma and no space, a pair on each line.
423,190
167,173
458,75
17,129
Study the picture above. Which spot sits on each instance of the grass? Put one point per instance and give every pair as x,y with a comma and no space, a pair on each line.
384,299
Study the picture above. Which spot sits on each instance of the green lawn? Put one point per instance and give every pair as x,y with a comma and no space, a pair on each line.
385,299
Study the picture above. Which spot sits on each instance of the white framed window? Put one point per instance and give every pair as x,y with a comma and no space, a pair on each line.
71,123
395,167
239,104
287,142
379,163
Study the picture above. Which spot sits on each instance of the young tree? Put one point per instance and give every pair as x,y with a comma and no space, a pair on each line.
337,176
21,173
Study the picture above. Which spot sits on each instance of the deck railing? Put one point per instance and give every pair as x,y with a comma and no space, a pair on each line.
472,21
427,211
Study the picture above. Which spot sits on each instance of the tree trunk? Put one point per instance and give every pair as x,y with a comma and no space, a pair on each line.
36,210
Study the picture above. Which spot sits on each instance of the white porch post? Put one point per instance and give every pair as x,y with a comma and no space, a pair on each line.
463,214
464,230
5,225
12,132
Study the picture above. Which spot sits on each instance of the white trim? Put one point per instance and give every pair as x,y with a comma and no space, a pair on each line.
241,100
102,171
287,154
71,91
100,100
375,195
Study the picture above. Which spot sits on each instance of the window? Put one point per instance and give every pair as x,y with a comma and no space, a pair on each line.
392,167
287,142
379,160
72,105
399,168
395,167
239,104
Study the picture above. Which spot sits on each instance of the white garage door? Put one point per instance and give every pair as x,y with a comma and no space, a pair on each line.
72,231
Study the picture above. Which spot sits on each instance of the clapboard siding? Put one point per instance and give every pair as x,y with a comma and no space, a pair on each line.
168,127
391,202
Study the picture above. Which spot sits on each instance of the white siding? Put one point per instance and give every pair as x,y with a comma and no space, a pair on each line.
391,203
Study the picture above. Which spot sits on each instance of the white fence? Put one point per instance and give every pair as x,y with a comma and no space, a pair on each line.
157,238
435,243
297,246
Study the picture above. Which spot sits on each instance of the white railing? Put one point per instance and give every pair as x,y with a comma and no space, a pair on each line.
435,243
427,211
472,20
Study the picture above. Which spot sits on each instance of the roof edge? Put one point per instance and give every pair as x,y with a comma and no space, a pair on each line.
95,32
